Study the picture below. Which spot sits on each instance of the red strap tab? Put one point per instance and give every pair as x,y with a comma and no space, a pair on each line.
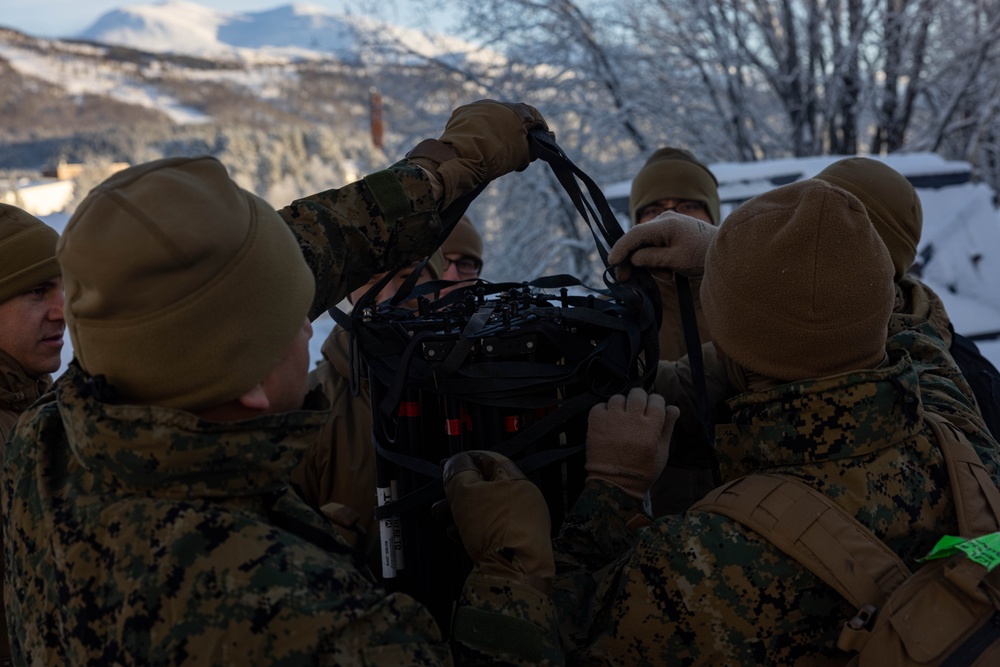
409,409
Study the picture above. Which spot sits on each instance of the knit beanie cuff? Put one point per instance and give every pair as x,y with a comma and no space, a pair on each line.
27,259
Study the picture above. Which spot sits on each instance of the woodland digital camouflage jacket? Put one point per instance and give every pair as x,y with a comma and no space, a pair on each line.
17,392
701,589
140,535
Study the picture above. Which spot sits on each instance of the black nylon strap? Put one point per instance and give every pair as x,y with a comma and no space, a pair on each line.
644,289
975,644
692,341
463,346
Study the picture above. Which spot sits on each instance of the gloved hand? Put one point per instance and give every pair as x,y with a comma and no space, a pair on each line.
628,440
671,241
481,141
501,516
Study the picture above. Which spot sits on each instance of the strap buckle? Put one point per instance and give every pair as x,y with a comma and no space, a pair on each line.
857,630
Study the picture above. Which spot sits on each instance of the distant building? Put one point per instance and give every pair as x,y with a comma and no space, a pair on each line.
40,198
54,192
66,171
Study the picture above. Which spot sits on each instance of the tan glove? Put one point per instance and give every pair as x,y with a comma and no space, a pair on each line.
671,241
501,516
628,440
481,141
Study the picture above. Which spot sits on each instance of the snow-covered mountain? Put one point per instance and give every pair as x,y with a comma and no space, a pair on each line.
295,30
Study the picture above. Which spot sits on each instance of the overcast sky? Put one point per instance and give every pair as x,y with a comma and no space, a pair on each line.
66,18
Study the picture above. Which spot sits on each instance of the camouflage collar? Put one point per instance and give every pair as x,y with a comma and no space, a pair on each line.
917,299
17,390
837,417
174,454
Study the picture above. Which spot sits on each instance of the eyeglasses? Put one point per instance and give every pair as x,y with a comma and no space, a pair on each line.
682,206
466,266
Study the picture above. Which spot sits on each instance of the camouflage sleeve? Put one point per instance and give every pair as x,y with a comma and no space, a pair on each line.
386,220
943,388
505,622
597,532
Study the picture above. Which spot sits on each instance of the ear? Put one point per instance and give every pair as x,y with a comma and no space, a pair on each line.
255,399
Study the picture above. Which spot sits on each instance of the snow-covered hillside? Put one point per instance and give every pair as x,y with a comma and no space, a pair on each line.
127,84
189,64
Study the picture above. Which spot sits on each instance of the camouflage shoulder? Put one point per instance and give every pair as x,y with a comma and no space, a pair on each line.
41,420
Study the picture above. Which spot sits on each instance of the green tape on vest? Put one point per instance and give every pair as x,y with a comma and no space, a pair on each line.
388,194
984,550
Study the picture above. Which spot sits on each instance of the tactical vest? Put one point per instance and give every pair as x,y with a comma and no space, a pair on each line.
945,613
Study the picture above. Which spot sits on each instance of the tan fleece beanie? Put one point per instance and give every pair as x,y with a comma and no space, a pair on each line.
798,284
892,203
435,264
674,173
182,289
464,240
27,252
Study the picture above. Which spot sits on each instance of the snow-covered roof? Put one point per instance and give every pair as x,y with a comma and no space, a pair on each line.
738,181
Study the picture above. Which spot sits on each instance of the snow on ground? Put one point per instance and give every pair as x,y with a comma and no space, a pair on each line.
122,85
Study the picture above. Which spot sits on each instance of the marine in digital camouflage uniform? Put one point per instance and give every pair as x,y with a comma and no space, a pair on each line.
31,321
31,325
148,514
825,403
337,471
673,179
894,207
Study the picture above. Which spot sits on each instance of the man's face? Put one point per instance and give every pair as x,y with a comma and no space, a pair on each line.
288,382
32,326
390,288
459,267
689,207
